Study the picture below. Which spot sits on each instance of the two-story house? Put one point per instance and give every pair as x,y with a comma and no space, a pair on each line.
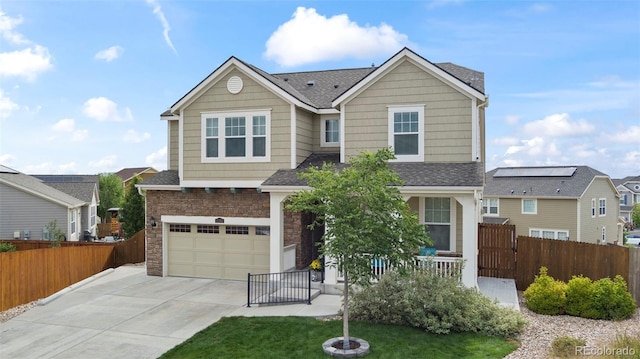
239,138
629,189
576,203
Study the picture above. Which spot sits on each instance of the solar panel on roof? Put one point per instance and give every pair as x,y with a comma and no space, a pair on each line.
536,172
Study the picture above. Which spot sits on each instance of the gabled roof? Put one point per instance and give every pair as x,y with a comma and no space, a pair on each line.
536,182
413,174
36,187
315,90
128,173
162,178
630,183
81,187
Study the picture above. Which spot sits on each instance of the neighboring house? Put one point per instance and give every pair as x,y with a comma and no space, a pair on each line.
27,205
83,187
629,189
127,174
576,203
239,138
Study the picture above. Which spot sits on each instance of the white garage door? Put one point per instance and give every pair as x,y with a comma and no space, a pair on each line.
217,251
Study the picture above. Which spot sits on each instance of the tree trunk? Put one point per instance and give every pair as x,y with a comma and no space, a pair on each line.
345,313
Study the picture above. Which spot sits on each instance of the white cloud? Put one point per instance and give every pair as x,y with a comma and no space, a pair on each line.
132,136
158,159
51,168
110,54
103,109
27,63
629,136
6,29
64,125
6,106
512,119
7,159
67,126
506,141
309,37
534,147
104,164
157,10
558,125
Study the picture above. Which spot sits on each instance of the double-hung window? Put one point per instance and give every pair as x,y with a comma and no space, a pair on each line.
406,132
529,206
490,206
602,207
330,132
73,221
593,208
93,215
236,136
437,217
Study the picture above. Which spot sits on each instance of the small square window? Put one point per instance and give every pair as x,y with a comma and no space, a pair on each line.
529,206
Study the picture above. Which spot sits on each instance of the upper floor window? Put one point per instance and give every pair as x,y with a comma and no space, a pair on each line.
593,207
602,207
490,206
235,137
406,132
529,206
330,132
623,199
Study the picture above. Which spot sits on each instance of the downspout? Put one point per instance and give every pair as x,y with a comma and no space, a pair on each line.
476,125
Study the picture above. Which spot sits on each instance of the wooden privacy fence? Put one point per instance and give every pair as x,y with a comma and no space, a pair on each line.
27,275
496,250
565,259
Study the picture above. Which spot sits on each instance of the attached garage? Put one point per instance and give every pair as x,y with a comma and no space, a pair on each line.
216,251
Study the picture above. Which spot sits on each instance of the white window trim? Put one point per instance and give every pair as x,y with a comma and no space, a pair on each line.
248,115
452,222
605,207
488,213
92,215
73,223
555,232
604,233
323,137
593,208
407,108
529,199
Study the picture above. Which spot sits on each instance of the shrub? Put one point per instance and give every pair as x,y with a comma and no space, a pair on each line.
546,295
565,346
612,300
435,304
580,298
7,247
627,344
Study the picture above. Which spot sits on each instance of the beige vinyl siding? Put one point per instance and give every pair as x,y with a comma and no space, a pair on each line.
304,135
252,97
447,114
174,152
558,214
591,228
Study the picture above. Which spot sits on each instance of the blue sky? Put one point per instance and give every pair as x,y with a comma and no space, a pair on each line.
82,84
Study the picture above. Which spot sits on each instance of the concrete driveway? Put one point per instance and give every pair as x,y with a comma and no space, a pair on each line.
124,313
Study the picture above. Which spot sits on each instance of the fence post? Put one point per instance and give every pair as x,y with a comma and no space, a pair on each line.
634,273
248,290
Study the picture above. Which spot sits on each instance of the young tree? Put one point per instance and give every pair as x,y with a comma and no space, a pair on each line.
111,194
133,209
365,216
635,215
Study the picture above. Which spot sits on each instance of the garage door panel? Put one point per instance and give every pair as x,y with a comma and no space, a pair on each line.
217,255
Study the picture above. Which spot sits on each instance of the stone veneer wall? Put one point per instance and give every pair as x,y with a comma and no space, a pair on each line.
222,203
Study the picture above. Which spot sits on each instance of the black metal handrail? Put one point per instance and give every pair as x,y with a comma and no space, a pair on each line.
278,288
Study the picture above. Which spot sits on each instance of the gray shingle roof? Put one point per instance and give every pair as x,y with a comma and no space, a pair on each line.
33,184
128,173
79,190
163,178
414,174
330,84
540,186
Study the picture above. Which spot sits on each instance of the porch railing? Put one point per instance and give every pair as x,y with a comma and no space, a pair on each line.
279,288
442,266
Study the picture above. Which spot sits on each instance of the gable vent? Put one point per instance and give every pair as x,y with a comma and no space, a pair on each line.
311,83
234,84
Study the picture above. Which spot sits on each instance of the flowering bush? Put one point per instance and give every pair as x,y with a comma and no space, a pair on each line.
316,265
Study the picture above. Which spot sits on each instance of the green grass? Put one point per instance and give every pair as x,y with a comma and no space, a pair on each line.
302,337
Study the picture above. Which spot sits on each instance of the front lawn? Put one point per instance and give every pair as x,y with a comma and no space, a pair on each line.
302,337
